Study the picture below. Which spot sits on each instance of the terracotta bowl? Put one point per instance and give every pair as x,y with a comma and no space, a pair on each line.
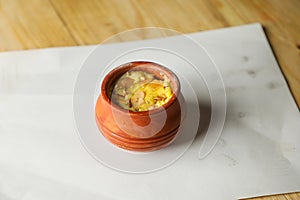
144,130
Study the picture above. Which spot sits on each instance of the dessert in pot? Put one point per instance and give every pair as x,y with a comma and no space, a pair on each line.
141,91
138,108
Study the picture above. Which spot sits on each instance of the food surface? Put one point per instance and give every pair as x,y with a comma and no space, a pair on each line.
141,91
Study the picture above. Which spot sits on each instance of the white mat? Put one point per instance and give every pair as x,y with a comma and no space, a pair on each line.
41,156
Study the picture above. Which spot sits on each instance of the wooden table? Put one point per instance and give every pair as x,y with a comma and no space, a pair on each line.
30,24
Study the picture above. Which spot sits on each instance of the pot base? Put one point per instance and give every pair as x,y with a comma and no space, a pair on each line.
140,145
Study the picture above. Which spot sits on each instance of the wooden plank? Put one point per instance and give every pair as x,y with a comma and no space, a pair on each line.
31,24
273,197
8,38
293,196
92,21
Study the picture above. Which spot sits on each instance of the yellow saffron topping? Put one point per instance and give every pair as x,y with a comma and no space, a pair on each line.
141,91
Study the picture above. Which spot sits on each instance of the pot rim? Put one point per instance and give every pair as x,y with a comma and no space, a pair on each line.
120,70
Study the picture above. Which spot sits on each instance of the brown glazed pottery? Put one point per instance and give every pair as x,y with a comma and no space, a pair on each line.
144,130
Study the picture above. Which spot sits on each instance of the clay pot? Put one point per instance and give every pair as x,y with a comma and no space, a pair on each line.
138,131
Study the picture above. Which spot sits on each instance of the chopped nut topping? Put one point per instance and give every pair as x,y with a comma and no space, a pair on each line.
141,91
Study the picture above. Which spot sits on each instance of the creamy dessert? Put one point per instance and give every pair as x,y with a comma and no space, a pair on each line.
141,91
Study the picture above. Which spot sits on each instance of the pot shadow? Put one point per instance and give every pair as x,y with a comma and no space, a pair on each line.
205,118
185,136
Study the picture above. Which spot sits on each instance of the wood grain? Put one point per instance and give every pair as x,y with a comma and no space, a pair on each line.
292,196
49,23
31,25
274,197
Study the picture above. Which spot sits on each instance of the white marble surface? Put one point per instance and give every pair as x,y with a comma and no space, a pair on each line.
41,156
